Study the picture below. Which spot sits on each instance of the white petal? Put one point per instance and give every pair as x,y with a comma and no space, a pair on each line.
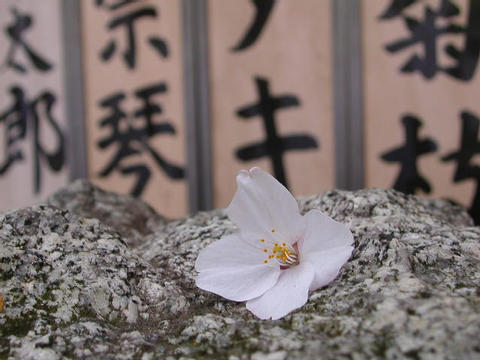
234,269
230,251
288,294
323,233
327,264
238,284
261,204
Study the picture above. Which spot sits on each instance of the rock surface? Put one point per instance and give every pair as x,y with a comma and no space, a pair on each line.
84,280
131,218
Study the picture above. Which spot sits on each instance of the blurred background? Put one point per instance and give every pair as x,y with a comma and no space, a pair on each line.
168,99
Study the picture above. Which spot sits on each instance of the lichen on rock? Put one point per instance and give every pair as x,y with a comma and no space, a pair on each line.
76,285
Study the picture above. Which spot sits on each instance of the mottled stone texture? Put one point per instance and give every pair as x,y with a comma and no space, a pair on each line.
131,218
101,276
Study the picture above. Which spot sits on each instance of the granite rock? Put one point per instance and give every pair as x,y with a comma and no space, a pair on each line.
76,287
131,218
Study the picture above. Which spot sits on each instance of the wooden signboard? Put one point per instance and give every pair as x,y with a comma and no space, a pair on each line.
421,86
134,100
33,136
271,93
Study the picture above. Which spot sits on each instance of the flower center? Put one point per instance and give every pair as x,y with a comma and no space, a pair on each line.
282,253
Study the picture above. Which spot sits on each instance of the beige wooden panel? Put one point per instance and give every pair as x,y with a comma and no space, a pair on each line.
390,93
294,53
43,36
104,78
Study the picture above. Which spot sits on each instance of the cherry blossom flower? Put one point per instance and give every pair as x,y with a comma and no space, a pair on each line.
278,256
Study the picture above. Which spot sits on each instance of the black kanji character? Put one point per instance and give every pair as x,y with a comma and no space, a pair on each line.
409,179
263,9
428,32
274,146
396,8
467,58
469,147
115,4
128,22
132,139
15,33
23,116
447,8
425,33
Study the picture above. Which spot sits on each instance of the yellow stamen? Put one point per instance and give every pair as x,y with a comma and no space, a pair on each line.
273,230
283,253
